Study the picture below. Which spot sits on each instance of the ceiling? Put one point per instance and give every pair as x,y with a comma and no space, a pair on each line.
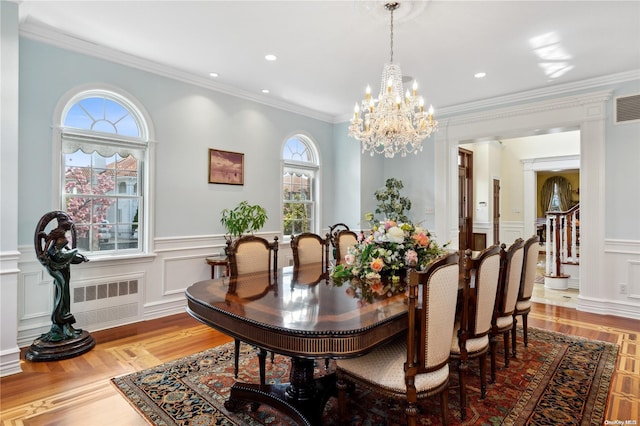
328,51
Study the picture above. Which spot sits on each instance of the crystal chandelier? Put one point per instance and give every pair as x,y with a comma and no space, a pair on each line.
392,123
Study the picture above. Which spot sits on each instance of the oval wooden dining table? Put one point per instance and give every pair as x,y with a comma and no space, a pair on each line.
301,314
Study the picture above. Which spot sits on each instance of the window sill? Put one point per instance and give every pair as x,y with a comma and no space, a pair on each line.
124,258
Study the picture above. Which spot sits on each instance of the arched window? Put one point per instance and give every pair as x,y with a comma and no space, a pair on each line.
299,186
104,142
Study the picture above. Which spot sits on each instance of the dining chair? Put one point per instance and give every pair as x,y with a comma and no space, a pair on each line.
506,298
250,254
343,240
414,366
523,305
308,247
333,232
470,339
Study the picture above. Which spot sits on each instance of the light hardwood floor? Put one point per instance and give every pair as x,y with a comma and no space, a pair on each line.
78,391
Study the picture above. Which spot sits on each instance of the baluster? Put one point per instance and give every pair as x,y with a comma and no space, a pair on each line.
563,238
574,238
549,245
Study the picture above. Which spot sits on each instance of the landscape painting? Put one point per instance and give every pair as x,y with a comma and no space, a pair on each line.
226,167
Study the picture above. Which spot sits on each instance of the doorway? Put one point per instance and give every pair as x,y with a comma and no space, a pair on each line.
586,112
465,199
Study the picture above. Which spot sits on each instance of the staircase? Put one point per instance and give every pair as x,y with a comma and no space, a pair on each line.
562,249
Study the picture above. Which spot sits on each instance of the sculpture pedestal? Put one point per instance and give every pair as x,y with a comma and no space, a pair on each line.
54,351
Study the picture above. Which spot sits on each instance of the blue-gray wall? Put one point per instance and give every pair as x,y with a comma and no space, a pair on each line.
188,120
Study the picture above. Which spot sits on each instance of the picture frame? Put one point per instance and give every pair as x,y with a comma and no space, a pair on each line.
226,167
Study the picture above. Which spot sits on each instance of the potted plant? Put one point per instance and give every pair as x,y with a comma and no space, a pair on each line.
242,219
390,203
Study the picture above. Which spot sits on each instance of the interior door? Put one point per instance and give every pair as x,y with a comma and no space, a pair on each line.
465,199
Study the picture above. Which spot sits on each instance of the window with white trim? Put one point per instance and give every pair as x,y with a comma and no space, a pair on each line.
104,149
299,186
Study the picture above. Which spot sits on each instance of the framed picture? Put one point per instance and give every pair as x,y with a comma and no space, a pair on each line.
226,167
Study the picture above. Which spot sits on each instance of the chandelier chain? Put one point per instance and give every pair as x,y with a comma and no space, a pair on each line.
392,9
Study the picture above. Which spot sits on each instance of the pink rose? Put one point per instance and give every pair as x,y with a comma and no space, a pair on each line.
411,257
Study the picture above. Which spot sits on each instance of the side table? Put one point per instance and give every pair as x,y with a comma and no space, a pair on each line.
218,262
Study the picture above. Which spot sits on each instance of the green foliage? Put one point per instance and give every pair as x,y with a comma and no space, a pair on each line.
295,217
390,204
243,218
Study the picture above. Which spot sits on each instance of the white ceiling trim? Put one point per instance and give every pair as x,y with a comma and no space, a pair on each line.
52,37
537,94
45,34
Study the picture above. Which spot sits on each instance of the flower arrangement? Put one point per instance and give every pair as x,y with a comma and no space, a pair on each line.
377,265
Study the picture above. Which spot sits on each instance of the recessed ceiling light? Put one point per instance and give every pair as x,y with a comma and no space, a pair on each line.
265,91
213,74
270,57
480,75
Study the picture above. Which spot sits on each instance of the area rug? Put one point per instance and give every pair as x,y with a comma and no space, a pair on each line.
557,379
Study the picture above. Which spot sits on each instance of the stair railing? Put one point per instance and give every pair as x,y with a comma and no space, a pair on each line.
562,240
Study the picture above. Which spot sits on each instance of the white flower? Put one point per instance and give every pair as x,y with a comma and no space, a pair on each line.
395,235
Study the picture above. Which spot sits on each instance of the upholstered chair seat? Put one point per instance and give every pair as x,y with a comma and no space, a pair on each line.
386,367
522,305
475,345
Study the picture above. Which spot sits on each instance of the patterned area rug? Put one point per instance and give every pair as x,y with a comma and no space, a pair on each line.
558,379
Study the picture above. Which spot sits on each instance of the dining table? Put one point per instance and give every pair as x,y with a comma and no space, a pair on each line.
300,313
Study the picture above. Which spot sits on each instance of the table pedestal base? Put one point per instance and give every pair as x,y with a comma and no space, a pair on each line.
303,399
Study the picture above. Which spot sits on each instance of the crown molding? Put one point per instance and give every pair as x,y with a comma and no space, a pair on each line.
531,108
533,95
45,34
48,35
537,94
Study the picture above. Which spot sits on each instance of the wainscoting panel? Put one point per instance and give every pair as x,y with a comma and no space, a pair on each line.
35,295
182,271
620,293
633,289
511,231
